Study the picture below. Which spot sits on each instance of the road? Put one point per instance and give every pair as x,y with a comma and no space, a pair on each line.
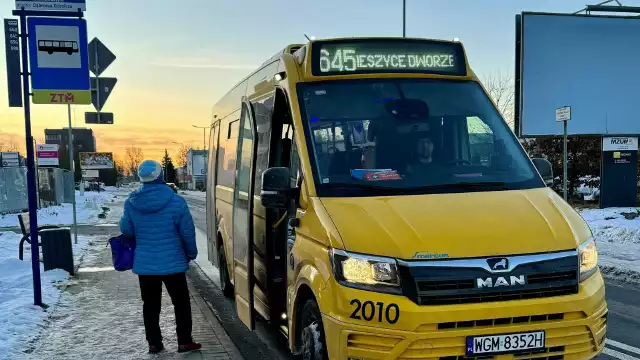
623,334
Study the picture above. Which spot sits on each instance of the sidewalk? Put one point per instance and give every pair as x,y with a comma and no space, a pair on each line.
99,316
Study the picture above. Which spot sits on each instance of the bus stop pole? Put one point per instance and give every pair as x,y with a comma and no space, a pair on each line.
564,163
404,18
72,167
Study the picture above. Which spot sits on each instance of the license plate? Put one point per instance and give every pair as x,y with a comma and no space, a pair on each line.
510,343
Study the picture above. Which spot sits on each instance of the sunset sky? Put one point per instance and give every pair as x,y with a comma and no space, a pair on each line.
177,58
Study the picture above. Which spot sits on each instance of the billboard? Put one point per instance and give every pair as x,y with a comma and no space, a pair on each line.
96,160
196,163
586,62
47,154
10,159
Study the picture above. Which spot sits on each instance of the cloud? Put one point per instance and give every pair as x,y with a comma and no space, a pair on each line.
200,63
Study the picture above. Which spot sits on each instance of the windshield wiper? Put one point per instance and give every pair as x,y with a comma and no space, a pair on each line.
499,185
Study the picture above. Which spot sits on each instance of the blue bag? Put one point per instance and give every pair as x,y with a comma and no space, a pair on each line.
122,252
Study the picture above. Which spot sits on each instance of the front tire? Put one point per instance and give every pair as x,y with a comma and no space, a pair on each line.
312,342
225,279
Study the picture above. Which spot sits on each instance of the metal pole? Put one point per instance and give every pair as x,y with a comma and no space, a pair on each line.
97,67
564,165
404,18
72,167
204,138
31,178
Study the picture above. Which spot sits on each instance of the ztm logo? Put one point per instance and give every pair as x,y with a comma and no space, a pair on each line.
62,98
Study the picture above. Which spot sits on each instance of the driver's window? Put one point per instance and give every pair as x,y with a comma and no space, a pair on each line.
481,141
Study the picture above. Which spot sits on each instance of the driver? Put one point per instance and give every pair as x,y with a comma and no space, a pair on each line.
422,161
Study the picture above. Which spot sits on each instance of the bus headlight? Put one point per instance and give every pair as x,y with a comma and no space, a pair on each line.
365,272
588,259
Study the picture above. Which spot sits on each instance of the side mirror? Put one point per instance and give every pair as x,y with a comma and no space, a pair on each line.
275,188
545,169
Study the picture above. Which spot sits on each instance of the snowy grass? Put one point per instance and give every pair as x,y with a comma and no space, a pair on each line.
618,241
89,206
193,194
19,319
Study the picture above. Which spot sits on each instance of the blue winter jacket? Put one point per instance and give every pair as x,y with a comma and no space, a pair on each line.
163,228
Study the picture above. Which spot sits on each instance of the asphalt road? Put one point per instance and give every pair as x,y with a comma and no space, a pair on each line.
623,334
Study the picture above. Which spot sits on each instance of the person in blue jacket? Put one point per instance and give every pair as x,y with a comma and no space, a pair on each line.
164,232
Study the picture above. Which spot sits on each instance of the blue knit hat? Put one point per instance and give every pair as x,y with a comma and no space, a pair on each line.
149,171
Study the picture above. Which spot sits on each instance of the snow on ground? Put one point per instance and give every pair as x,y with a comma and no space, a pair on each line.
618,241
88,206
20,320
193,194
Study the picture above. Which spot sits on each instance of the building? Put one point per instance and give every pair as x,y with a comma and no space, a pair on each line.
197,169
83,141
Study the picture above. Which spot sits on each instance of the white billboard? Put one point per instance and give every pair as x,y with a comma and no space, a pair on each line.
10,159
586,62
196,164
47,154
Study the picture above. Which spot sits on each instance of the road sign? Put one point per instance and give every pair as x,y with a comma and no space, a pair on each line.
47,154
52,5
100,57
563,113
10,159
100,91
90,174
92,118
59,61
12,49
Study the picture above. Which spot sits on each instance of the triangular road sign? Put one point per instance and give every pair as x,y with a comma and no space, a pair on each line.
100,90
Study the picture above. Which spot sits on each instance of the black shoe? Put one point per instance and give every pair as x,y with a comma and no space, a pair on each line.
154,349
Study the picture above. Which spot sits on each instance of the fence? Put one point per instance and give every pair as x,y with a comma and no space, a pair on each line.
55,187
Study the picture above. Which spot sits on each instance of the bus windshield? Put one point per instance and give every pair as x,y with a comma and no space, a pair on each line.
403,136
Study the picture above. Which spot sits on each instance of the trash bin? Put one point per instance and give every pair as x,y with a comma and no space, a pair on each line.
57,251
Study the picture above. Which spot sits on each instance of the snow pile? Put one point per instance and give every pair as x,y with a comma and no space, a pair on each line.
589,187
89,206
193,194
19,318
617,234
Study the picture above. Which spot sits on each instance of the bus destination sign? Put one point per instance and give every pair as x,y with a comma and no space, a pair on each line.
361,56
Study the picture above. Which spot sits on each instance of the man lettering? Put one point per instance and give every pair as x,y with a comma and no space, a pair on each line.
444,60
451,61
429,61
495,343
68,98
422,61
53,98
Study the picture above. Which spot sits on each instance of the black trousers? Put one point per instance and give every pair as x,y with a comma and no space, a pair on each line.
151,291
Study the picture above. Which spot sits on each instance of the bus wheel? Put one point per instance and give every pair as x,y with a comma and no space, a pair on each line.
225,280
312,344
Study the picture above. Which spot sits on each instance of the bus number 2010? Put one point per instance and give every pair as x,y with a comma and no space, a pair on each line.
368,311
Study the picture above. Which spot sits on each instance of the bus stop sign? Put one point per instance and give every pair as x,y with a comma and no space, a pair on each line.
59,61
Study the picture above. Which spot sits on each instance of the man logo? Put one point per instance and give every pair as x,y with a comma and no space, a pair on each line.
498,263
500,281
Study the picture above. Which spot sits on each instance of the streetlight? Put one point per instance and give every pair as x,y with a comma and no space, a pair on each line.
204,135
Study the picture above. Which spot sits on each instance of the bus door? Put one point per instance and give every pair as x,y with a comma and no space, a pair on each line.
212,216
242,216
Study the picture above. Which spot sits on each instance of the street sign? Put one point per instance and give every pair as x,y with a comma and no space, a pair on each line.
90,174
47,154
12,49
100,57
10,159
100,91
92,118
59,61
563,113
52,5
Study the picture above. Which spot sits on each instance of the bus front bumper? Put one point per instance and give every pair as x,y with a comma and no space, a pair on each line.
574,326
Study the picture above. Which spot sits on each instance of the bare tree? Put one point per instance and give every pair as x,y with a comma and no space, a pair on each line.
500,87
181,156
133,156
9,145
